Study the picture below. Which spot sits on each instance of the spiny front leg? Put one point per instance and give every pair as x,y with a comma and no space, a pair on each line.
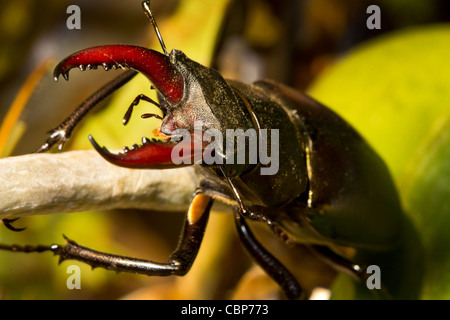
179,262
62,132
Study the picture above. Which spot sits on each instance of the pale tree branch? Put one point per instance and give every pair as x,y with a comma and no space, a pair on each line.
81,180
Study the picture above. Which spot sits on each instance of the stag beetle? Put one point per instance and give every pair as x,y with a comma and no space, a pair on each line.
330,191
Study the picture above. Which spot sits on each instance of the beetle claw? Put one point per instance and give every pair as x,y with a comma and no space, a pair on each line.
57,136
152,154
155,66
8,224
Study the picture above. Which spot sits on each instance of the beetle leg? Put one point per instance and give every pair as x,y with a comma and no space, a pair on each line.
264,258
267,261
135,102
357,271
62,132
179,262
8,224
338,262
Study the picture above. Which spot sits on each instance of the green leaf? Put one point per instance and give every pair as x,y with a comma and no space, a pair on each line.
395,91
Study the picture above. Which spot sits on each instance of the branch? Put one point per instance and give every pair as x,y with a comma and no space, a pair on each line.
81,180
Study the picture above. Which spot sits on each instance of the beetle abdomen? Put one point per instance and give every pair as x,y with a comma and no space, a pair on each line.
352,196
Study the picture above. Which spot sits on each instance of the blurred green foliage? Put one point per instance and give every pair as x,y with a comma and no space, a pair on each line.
395,91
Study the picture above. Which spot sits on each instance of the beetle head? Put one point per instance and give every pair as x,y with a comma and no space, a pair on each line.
190,95
207,99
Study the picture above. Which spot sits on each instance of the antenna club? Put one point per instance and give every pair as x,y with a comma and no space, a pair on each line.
146,5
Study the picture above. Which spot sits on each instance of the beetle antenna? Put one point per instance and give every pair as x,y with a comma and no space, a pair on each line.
241,205
148,12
